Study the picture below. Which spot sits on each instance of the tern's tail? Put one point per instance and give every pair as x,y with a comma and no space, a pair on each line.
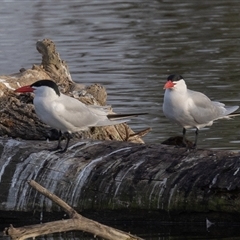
234,115
113,119
124,116
230,110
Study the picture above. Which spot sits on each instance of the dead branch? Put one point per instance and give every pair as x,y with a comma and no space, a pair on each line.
76,222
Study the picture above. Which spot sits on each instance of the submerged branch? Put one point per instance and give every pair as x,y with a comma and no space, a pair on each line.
76,222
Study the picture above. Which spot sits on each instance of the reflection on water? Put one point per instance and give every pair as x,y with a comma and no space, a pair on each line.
165,231
154,231
131,47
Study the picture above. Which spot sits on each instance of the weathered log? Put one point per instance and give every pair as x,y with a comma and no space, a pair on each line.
124,179
18,118
76,222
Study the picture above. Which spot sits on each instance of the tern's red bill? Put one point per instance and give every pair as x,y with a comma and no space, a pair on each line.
169,84
23,89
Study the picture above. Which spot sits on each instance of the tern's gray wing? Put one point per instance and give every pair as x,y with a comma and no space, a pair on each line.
203,110
76,114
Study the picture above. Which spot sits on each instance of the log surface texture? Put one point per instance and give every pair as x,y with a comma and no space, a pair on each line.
160,181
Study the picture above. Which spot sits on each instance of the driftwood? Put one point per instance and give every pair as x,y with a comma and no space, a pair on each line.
18,118
76,222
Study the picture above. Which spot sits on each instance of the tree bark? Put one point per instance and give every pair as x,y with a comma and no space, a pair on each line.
76,222
122,180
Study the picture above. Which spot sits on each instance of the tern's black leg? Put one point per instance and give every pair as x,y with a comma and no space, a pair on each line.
60,138
196,138
67,136
184,136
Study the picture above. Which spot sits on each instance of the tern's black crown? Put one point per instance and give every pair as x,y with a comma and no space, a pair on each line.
48,83
174,77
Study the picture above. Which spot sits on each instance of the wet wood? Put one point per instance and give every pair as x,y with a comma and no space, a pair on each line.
123,179
76,222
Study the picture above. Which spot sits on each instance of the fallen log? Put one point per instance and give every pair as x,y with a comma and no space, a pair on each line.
76,222
121,180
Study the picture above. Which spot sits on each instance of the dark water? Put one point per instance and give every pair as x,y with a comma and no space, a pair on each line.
131,47
164,231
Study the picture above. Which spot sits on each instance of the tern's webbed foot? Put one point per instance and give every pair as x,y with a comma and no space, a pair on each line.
62,151
65,135
191,148
179,141
55,149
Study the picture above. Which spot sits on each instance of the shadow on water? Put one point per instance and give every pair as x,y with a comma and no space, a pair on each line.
131,47
151,229
156,231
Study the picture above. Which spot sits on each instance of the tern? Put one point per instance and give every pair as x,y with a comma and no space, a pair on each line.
67,114
191,109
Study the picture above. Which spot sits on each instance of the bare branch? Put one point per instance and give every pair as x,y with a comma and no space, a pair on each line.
76,222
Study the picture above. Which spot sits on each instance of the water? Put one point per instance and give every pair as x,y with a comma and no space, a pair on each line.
181,231
131,47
